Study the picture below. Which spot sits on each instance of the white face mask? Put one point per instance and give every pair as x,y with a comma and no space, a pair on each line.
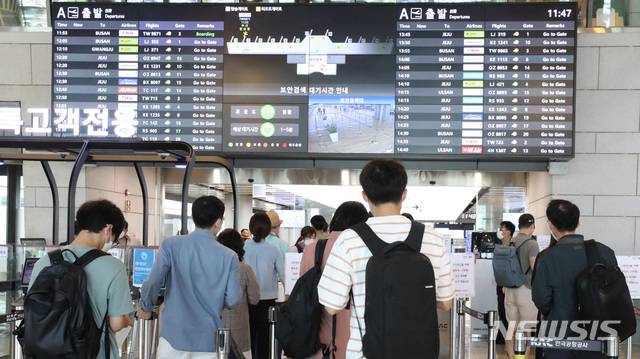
500,234
550,231
108,244
308,241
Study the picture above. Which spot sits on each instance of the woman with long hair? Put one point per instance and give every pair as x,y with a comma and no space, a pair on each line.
307,236
347,214
268,265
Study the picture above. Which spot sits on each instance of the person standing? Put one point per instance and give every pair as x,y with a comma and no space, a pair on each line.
237,319
268,265
517,301
553,288
384,184
307,236
274,236
320,225
504,233
99,223
519,306
201,278
347,214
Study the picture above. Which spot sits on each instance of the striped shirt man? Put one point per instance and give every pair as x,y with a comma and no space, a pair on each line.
346,267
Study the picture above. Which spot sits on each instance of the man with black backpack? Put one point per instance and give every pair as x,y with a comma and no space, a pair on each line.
47,332
393,286
556,275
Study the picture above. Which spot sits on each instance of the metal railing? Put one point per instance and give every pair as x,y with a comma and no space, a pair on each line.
223,343
273,342
458,312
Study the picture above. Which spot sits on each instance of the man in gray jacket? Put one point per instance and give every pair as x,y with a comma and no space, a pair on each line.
556,270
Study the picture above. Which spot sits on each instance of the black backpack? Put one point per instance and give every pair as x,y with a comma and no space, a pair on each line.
401,318
603,294
299,319
58,319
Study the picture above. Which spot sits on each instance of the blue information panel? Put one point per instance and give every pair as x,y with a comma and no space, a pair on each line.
142,264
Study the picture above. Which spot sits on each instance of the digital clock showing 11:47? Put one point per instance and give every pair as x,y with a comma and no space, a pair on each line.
555,13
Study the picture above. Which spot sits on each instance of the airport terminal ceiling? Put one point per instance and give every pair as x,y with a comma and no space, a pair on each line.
452,192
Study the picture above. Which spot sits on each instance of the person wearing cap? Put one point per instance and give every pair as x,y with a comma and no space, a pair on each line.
274,237
518,303
245,234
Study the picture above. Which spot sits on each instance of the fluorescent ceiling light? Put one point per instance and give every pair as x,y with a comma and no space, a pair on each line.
433,204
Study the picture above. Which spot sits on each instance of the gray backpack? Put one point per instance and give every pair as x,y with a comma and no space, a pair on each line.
506,266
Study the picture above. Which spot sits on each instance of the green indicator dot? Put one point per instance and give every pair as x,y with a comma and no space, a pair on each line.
230,144
267,129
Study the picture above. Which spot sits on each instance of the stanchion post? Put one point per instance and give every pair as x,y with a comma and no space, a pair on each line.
490,320
145,334
15,349
629,348
453,328
520,345
273,345
461,327
223,336
154,333
612,346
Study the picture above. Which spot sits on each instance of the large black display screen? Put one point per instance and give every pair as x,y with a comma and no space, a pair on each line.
468,81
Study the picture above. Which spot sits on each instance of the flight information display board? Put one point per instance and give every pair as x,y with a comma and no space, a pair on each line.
462,81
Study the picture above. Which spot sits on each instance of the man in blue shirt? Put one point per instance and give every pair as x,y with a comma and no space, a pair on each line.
274,237
201,277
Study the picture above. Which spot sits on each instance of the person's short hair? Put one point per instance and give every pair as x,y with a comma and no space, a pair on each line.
206,210
319,223
232,239
94,215
509,226
348,214
260,226
526,221
126,225
383,180
564,215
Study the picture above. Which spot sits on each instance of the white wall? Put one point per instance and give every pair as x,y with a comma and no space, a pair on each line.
603,179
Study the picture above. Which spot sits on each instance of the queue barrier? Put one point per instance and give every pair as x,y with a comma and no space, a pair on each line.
609,346
223,340
458,313
273,342
17,313
143,339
